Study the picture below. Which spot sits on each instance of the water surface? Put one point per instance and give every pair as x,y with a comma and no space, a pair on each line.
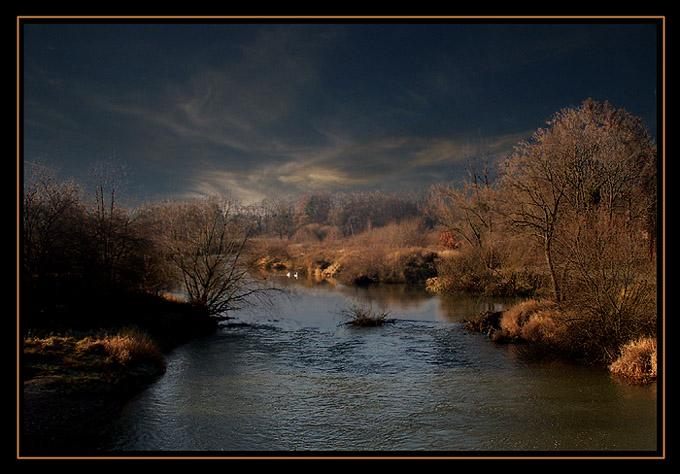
293,377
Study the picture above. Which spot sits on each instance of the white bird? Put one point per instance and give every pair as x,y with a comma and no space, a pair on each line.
295,275
288,274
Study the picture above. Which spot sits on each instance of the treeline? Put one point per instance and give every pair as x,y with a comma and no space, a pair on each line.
324,214
82,253
78,254
80,246
570,216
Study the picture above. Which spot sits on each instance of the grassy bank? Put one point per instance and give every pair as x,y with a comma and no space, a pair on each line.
405,252
84,362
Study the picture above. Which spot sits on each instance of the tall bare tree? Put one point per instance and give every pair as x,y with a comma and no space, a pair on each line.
112,237
590,158
469,209
205,243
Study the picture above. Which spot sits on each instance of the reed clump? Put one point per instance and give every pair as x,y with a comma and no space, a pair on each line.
638,361
364,315
531,320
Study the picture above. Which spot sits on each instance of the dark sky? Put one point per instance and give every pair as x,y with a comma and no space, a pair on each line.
271,109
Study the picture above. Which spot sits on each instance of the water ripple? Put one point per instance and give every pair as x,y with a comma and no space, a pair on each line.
285,383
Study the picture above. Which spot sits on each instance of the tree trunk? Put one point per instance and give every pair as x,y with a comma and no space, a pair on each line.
553,275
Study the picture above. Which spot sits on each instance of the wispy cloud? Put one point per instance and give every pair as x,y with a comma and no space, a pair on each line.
231,103
389,164
276,109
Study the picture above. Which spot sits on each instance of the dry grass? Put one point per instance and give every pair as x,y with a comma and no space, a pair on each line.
529,319
363,315
556,331
408,233
637,361
395,253
77,357
127,347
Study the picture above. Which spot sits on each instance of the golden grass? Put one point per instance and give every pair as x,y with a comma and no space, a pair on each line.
637,361
529,319
46,345
128,346
541,326
56,353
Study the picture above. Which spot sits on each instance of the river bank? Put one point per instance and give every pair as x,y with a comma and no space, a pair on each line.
621,338
547,332
73,380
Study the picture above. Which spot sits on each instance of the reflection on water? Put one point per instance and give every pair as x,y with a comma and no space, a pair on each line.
409,301
294,378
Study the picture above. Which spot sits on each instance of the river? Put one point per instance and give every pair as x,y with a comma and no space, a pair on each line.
294,378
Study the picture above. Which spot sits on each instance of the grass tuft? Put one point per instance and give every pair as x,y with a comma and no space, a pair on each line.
364,315
637,362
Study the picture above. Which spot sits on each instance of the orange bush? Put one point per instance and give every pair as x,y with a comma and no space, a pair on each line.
448,240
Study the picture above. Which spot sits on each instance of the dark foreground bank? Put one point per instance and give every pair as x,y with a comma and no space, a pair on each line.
73,380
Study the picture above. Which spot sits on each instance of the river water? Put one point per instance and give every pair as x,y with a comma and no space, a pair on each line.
294,378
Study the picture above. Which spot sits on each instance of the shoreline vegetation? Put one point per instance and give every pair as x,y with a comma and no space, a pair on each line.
567,224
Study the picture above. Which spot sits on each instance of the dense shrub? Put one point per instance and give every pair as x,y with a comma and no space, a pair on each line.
468,271
448,240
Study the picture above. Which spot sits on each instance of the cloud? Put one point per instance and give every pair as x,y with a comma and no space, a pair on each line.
276,109
254,114
245,188
388,163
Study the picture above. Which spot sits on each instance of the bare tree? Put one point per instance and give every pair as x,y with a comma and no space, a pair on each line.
53,217
205,243
468,210
611,283
280,216
590,158
112,238
536,192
